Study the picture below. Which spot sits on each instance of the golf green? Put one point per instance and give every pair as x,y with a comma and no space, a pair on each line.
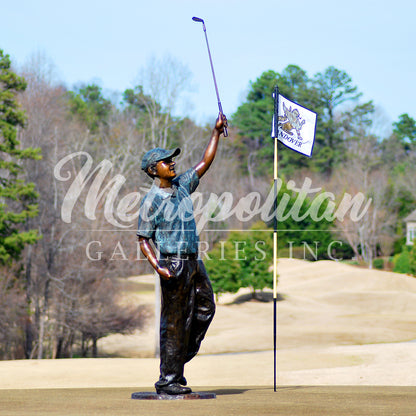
256,401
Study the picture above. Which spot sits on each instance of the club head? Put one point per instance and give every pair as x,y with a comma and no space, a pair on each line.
198,19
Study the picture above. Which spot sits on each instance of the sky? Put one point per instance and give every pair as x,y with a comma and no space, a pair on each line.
109,42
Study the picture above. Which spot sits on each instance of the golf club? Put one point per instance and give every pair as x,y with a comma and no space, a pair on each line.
198,19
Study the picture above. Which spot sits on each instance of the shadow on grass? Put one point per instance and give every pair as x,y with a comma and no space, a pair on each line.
233,391
227,392
257,297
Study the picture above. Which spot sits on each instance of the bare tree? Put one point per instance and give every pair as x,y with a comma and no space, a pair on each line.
72,298
99,313
162,82
57,265
12,316
377,225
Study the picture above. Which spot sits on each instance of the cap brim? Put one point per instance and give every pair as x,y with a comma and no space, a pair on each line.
172,153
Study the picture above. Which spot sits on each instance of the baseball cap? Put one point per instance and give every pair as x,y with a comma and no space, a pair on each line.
157,154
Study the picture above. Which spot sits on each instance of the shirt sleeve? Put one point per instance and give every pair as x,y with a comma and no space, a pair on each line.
146,226
189,180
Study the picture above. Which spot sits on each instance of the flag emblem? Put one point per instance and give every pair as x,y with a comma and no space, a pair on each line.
295,126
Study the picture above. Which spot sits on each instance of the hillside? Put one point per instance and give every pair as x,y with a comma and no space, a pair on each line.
337,325
324,303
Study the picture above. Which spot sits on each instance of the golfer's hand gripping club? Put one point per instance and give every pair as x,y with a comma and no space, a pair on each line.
221,124
225,124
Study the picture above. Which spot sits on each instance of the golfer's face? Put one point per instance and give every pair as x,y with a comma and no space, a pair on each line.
166,169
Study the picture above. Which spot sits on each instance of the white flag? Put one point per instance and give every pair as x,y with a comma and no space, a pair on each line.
295,126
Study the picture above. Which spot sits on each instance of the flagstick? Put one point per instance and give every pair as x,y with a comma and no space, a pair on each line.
276,102
275,268
309,117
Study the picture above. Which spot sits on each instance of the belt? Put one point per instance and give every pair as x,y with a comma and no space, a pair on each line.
182,256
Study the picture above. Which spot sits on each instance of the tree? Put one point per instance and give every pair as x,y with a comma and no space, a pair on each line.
257,259
99,313
336,120
295,85
152,102
242,260
329,93
398,149
301,229
405,131
223,269
13,313
17,198
373,231
48,262
59,275
402,261
245,257
398,156
89,104
253,119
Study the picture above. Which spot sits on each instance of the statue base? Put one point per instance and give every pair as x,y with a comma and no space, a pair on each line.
164,396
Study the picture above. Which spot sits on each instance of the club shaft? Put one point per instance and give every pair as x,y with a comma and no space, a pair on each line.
213,72
197,19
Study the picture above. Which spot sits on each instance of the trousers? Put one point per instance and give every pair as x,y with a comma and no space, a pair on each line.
187,310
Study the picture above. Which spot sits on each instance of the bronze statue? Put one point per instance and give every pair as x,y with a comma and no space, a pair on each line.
166,218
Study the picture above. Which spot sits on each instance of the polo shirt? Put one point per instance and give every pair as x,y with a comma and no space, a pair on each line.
166,217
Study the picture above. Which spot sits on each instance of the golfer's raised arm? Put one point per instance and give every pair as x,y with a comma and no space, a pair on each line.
211,149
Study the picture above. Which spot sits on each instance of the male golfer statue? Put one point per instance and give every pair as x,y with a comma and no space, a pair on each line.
166,218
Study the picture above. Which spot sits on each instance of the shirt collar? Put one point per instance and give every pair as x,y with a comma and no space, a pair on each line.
162,193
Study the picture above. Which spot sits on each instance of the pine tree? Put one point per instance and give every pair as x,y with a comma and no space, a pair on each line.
17,198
